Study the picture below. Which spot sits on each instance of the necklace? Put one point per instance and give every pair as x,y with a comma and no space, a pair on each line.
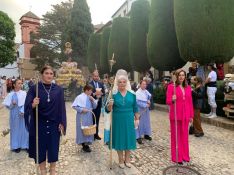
48,92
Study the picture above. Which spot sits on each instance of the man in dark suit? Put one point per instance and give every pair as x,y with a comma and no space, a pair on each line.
97,94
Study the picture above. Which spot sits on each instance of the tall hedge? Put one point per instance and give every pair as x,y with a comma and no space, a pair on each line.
104,64
205,29
163,52
139,23
93,54
118,43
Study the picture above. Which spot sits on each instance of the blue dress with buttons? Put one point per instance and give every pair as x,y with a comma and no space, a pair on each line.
51,114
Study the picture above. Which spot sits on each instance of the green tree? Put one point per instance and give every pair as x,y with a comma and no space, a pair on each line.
80,29
163,52
48,41
118,44
139,21
205,30
93,55
42,55
104,64
7,35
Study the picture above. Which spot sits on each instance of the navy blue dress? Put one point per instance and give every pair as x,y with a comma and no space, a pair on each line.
50,115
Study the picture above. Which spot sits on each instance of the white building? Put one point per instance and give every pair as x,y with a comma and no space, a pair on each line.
10,70
124,9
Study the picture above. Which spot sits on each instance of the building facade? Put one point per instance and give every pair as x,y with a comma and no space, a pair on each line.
29,23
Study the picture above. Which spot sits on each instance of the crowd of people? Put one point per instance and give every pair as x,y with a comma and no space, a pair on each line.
130,111
6,85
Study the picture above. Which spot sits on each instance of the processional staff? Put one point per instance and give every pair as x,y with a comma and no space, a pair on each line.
37,145
111,63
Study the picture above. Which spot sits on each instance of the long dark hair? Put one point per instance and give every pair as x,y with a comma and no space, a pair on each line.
14,83
177,73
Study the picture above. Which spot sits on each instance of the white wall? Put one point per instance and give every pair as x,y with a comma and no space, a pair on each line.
126,7
21,51
10,70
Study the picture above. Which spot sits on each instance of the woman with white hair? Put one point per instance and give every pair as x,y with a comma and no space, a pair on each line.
125,112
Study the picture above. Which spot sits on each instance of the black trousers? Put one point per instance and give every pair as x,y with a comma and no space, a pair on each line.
97,113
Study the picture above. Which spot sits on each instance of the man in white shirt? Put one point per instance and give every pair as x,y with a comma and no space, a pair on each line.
211,90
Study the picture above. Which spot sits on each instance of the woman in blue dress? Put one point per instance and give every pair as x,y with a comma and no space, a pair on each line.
84,104
51,120
143,101
14,101
125,113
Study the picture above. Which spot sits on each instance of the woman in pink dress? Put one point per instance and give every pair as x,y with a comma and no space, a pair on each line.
181,96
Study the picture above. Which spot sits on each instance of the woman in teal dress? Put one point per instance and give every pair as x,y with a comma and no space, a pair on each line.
124,108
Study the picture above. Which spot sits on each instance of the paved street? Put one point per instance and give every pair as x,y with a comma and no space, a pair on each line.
211,155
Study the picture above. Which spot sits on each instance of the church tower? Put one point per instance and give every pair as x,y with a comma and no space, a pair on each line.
29,23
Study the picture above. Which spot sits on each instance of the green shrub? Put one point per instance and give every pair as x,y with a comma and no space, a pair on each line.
159,95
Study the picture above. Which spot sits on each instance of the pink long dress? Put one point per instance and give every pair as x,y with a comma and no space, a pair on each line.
184,112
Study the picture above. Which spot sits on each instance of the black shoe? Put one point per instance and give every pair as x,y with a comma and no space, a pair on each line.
139,141
96,137
199,135
148,137
86,148
180,163
16,150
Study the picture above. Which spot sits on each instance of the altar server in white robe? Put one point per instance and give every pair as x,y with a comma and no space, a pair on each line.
14,101
84,104
143,102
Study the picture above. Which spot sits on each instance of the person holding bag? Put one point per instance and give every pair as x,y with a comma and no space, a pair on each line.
84,104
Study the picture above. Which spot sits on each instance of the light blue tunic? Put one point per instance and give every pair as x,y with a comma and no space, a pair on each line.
87,120
144,127
18,133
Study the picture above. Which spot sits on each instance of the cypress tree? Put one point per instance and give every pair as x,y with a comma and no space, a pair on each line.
163,52
93,55
139,21
80,30
118,43
205,30
104,64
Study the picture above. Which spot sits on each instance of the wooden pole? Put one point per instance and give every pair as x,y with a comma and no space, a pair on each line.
37,145
111,164
111,62
175,117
